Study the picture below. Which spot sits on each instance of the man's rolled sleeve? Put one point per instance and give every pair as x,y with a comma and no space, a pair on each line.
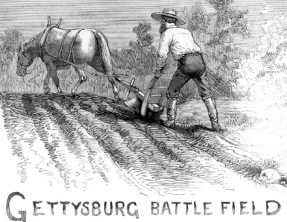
163,50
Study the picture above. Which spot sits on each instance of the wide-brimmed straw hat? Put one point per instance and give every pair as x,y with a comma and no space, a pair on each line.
167,12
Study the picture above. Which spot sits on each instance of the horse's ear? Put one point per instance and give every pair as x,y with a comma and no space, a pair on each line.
59,22
49,21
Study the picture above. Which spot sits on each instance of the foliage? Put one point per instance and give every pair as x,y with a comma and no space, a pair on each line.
263,75
263,81
220,5
144,38
215,33
10,41
138,60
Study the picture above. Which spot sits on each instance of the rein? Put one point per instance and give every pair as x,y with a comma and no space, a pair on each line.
96,73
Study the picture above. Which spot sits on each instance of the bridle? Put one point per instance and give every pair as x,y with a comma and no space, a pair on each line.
26,57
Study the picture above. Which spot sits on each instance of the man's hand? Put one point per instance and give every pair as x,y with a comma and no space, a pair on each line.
160,64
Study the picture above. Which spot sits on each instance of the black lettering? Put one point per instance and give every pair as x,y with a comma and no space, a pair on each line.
206,208
278,205
254,210
76,206
96,208
87,209
154,208
52,206
224,207
37,208
195,209
165,207
242,207
65,203
187,207
111,208
135,212
119,207
176,207
8,209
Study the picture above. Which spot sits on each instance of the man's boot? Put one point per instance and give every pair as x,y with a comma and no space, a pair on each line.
212,113
170,113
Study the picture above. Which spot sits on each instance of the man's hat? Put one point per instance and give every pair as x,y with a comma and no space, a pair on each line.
169,13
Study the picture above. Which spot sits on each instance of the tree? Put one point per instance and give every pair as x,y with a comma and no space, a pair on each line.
197,19
228,21
140,56
144,38
10,41
215,34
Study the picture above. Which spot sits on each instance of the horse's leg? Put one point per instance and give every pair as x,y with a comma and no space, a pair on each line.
115,89
52,70
46,83
108,71
82,78
107,63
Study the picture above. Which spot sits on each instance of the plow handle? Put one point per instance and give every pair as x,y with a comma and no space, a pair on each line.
146,96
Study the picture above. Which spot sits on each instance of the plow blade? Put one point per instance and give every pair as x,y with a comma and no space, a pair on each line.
136,104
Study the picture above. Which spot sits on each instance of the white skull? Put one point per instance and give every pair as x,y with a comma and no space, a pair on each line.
270,176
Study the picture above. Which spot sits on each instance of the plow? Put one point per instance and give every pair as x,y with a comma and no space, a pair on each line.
145,104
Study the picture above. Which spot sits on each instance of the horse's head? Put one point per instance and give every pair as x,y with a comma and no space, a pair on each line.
23,61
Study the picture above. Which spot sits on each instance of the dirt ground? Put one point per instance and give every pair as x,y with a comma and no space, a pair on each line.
77,142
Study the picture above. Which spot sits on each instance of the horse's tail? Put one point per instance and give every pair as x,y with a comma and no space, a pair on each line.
106,60
104,51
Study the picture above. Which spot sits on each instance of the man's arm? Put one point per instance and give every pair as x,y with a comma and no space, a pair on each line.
163,50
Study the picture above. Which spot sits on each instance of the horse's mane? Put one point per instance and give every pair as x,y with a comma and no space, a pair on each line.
38,36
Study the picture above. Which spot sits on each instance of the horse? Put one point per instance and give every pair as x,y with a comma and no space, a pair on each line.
61,49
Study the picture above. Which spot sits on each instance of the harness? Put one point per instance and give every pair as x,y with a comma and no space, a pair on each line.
60,52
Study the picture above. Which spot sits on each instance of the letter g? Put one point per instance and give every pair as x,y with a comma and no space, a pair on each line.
8,210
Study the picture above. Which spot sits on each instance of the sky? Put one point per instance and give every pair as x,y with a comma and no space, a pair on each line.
115,18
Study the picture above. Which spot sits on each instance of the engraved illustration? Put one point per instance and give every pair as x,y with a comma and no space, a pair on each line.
165,98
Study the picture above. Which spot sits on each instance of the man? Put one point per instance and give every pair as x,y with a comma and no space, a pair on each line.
190,64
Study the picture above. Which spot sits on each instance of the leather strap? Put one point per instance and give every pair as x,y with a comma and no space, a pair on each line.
44,37
72,44
46,32
62,42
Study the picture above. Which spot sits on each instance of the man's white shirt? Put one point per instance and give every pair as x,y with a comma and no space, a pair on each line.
179,41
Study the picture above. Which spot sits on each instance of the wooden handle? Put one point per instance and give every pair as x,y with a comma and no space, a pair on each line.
147,95
145,103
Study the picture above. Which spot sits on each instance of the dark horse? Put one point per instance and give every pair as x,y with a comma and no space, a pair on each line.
60,49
